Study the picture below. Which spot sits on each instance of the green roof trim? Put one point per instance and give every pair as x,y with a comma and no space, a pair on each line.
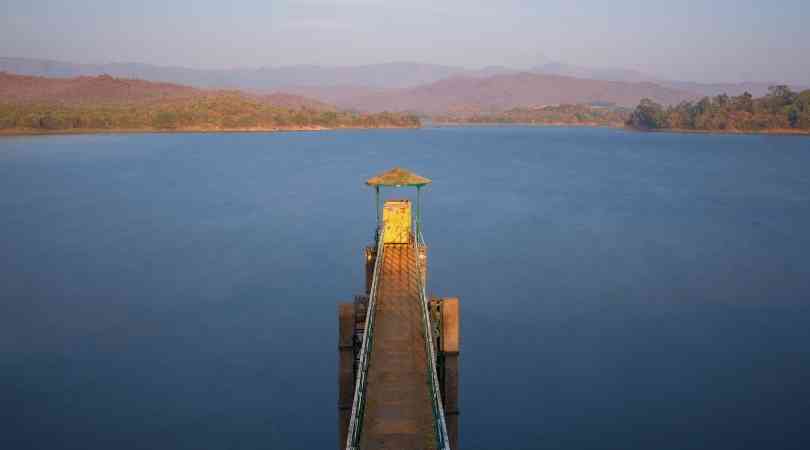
398,177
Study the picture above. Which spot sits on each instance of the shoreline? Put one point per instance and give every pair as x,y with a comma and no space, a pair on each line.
771,132
523,124
88,131
201,130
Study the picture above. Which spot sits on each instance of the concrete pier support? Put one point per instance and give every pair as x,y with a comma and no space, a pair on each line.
448,351
346,368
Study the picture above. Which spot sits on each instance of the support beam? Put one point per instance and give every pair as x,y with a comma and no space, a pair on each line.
418,212
450,326
450,346
346,369
379,206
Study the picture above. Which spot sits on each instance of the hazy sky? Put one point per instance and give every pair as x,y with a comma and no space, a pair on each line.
720,40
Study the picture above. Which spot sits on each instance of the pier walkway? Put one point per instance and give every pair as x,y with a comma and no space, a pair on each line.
398,411
391,351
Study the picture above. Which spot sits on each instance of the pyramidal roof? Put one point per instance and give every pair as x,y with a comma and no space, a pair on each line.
398,177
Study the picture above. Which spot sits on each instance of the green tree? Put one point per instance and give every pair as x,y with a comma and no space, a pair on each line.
648,115
801,105
778,98
744,102
793,116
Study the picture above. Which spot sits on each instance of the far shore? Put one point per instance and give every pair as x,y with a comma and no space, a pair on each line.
524,124
775,132
202,130
192,130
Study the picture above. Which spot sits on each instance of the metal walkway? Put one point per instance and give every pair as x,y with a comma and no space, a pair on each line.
397,401
398,412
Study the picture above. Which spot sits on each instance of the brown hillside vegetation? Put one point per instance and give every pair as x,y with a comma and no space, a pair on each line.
104,89
295,102
107,103
89,90
548,115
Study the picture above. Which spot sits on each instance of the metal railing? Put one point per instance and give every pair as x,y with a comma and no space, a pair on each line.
439,423
359,403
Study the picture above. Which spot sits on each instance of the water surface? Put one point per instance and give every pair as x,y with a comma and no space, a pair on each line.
619,290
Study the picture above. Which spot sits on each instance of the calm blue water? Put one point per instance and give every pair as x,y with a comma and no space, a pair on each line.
619,290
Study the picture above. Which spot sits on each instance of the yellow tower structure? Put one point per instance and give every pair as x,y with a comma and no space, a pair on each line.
398,212
397,222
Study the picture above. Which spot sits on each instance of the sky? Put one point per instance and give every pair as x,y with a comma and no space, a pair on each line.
707,41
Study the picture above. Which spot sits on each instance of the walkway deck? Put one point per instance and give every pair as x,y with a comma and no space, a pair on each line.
399,413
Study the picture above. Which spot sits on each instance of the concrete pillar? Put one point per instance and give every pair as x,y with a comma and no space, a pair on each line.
346,369
450,346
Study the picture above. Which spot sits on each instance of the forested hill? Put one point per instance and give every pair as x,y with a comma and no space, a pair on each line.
38,104
608,115
781,110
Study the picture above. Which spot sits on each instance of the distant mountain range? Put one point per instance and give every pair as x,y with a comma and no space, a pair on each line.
392,75
468,95
608,74
416,87
388,75
757,89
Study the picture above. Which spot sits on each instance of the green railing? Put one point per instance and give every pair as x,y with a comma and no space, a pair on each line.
439,423
359,403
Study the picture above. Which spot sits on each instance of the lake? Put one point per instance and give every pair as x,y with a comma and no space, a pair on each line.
618,289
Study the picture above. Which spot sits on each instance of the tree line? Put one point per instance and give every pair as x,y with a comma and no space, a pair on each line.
781,109
548,115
